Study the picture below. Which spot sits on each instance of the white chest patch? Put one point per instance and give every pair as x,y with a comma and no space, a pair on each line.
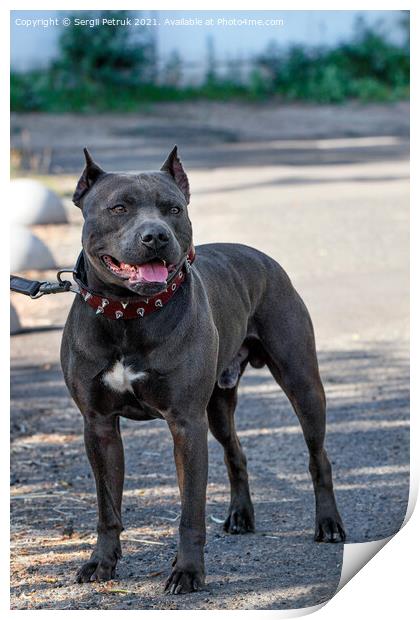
120,378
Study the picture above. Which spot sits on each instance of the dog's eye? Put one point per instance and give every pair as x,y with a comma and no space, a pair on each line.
118,209
174,210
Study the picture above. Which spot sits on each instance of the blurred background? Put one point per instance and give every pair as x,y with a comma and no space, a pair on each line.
295,137
318,56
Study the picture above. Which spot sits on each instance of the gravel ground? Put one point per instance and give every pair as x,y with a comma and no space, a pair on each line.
341,231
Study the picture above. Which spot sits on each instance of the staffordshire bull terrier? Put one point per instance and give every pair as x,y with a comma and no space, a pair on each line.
157,334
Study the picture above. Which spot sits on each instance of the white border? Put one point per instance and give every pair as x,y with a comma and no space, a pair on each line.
388,585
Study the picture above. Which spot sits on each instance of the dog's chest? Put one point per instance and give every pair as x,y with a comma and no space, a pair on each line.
122,377
129,383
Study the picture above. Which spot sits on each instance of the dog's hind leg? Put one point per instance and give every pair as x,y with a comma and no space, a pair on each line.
105,452
306,395
220,411
289,345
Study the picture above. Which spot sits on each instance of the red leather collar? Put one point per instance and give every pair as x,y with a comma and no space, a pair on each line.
129,308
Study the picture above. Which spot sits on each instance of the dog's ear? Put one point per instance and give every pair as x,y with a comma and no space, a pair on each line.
174,166
90,175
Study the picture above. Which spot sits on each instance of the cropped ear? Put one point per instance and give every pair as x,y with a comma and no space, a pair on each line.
174,166
90,175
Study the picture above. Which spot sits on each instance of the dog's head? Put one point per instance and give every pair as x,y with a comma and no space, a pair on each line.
136,231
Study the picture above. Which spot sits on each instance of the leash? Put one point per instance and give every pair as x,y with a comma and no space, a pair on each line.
36,289
110,307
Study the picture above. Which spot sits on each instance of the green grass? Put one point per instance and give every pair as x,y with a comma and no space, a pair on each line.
30,92
33,92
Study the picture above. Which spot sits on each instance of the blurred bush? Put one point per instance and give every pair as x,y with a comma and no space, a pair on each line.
368,68
99,67
112,55
113,68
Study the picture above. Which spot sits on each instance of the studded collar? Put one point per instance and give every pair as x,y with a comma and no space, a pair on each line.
129,308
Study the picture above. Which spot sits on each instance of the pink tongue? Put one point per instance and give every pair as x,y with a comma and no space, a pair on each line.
152,272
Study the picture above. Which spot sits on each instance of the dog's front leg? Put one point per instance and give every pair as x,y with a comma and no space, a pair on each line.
106,456
189,432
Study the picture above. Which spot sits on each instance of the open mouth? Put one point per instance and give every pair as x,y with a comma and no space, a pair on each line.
155,270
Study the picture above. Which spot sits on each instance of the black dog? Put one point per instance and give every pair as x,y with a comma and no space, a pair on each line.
154,335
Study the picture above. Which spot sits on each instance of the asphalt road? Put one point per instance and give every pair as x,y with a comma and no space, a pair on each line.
341,232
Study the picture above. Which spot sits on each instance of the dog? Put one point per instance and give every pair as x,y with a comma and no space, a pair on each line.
163,330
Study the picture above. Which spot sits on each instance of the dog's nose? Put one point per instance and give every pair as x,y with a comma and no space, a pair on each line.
154,236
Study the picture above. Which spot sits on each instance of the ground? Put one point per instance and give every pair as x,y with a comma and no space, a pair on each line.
325,192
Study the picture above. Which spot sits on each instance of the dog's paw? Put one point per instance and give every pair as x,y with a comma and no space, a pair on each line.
96,570
183,581
329,530
240,521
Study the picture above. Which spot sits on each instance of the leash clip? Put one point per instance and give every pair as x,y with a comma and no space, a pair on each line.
66,283
48,288
73,271
40,292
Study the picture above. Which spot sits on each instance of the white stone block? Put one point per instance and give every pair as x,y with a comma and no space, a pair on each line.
15,325
28,252
33,203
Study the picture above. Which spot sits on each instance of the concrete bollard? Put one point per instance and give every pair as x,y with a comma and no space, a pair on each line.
33,203
15,326
28,252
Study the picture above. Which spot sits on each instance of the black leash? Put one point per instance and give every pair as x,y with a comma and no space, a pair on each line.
36,289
